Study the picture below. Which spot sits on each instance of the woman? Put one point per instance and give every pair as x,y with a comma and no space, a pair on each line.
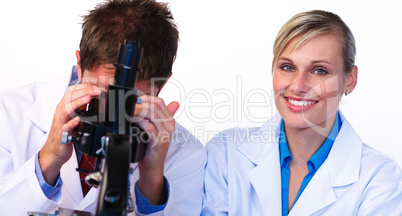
307,160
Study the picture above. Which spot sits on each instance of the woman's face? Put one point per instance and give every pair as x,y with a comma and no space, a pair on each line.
309,81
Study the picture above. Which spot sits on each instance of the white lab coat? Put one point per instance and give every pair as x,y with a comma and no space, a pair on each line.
243,177
26,115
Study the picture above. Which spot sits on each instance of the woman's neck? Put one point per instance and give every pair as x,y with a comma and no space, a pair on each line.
303,143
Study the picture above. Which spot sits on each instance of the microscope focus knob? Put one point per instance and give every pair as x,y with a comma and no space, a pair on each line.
65,138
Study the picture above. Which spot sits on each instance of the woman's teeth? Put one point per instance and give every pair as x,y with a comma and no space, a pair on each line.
300,103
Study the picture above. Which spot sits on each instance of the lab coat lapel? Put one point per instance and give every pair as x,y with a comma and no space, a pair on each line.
71,180
341,168
265,176
344,160
90,200
266,181
72,185
318,194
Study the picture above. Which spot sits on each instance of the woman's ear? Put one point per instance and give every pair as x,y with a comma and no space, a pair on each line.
351,81
78,56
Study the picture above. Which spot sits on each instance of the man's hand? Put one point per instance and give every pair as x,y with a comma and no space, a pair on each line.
53,154
157,120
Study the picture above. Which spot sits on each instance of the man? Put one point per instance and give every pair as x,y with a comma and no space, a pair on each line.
37,172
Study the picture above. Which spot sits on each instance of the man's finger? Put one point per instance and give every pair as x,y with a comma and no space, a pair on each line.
69,126
92,91
173,107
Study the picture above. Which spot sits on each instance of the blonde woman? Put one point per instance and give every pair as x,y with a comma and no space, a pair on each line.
307,160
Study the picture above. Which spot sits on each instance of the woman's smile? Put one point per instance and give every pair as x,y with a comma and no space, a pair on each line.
299,104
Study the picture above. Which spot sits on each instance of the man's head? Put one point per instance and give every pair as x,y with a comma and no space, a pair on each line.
145,21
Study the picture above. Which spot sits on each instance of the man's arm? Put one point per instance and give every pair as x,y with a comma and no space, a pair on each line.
157,120
20,189
53,154
184,174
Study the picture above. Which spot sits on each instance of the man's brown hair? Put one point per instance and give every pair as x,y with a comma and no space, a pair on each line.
145,21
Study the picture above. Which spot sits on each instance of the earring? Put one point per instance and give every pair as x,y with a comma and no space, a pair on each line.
347,92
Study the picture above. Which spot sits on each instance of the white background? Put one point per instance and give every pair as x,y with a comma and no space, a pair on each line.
222,75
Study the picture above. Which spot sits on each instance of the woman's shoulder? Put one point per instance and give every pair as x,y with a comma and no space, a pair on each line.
373,162
236,136
381,178
229,138
376,162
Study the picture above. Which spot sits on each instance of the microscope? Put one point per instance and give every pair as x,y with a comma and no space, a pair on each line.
107,132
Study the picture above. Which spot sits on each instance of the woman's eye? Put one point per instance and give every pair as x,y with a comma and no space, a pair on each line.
320,72
287,68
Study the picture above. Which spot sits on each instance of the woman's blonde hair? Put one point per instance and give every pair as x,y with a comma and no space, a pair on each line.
310,24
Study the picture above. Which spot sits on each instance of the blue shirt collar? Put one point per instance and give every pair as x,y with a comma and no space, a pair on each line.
322,153
74,76
284,152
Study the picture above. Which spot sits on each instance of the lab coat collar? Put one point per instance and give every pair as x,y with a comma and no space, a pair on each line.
71,180
261,142
42,110
345,157
262,149
72,186
341,168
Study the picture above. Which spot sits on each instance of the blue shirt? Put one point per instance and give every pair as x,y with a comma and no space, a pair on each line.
143,206
313,164
49,190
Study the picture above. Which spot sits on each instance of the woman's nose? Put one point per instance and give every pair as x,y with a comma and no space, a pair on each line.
299,84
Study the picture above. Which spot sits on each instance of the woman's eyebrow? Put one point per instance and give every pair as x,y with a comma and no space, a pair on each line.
320,61
285,59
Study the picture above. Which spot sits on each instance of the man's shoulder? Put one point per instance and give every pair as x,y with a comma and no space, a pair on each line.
186,153
27,94
184,145
19,97
184,139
